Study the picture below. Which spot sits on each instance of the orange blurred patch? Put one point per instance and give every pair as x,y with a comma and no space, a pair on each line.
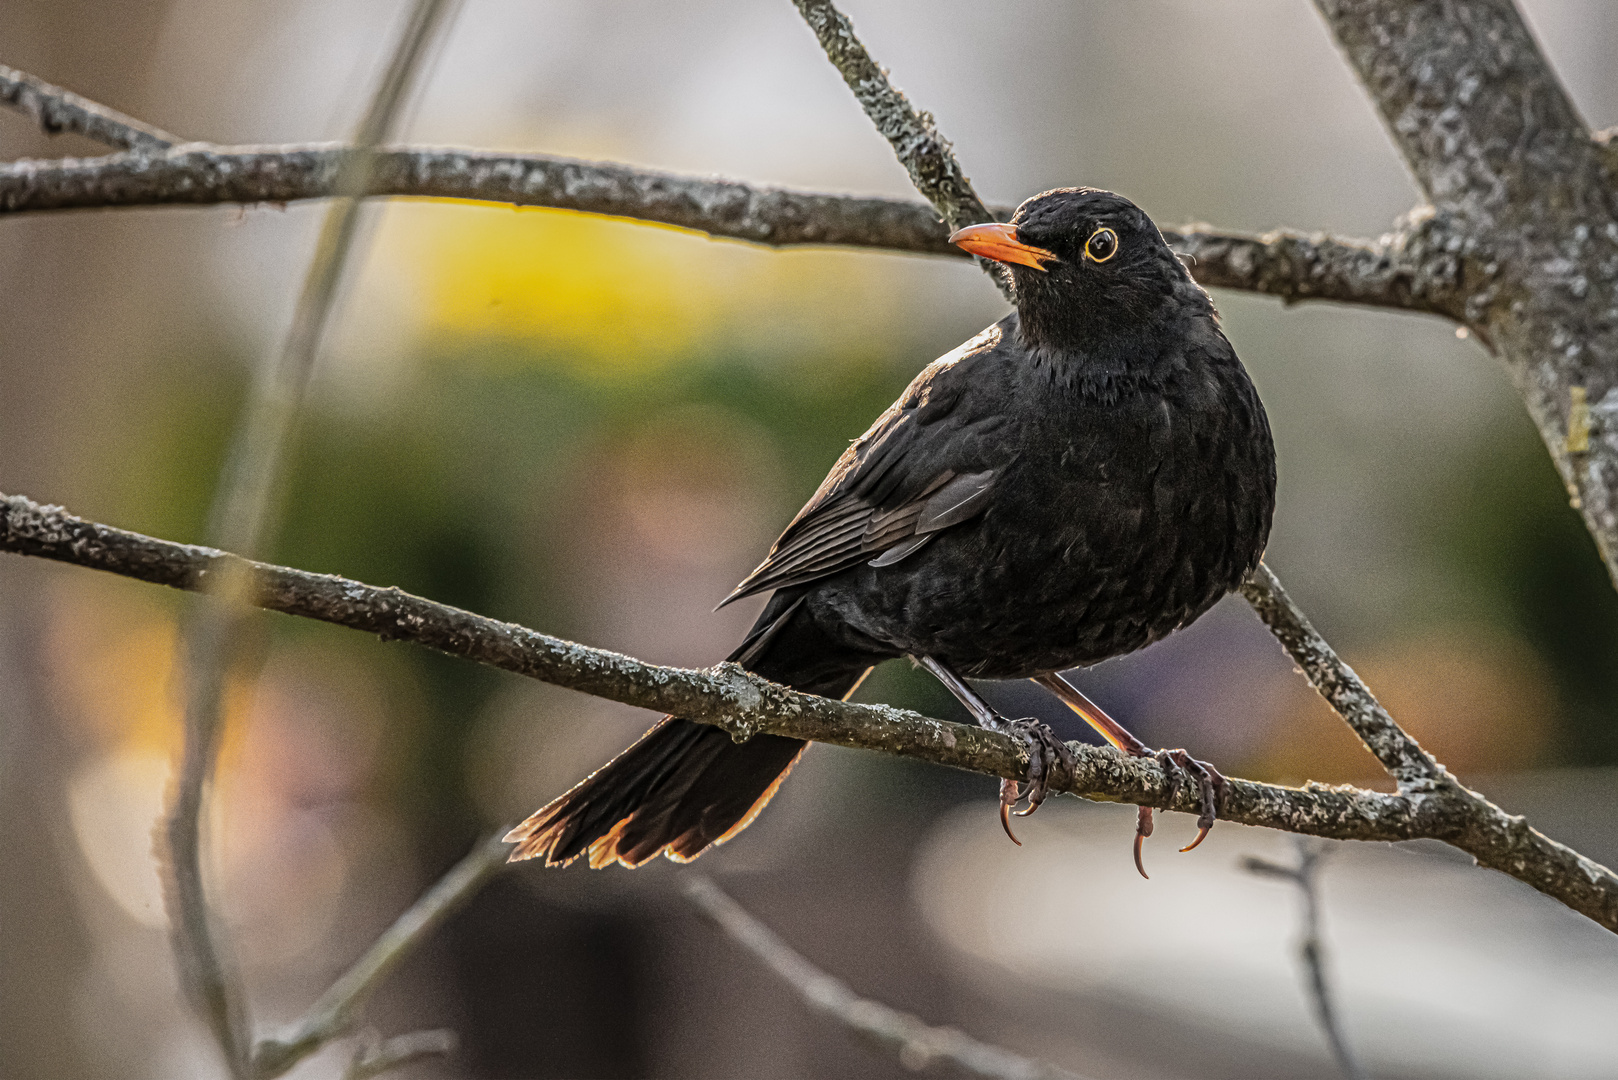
112,656
1478,701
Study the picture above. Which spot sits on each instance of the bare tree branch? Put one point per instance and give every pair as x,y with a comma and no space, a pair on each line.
1410,269
244,510
744,705
918,144
1396,273
334,1014
1525,193
915,138
1311,947
917,1043
56,110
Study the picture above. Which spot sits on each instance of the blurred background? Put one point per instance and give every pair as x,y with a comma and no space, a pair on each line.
596,428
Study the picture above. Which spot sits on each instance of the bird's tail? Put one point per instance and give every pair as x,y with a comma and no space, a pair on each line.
684,787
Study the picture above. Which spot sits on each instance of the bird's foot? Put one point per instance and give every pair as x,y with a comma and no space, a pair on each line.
1177,765
1045,752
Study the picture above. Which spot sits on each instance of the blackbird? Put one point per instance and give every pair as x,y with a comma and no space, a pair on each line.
1090,473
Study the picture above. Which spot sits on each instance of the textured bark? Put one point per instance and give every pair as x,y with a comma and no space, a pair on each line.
1410,269
1403,271
918,144
56,110
745,705
1521,189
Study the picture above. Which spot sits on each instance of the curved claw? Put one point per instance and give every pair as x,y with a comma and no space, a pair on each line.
1202,834
1143,829
1008,799
1210,783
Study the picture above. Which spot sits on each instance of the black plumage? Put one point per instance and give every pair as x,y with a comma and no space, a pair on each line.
1087,475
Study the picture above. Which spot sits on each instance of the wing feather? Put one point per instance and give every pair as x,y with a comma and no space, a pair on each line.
928,463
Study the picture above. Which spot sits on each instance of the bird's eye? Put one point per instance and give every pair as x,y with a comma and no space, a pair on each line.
1102,245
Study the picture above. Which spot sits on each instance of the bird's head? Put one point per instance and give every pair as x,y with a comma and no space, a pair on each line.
1086,265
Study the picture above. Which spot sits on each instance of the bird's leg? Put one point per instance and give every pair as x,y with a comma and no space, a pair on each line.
1045,750
1210,782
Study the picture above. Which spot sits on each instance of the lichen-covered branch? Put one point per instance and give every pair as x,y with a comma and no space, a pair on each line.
1526,195
916,1043
918,144
211,175
915,138
745,704
334,1014
1286,265
56,110
1411,269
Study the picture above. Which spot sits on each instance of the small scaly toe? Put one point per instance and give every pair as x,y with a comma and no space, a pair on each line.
1210,785
1045,751
1171,788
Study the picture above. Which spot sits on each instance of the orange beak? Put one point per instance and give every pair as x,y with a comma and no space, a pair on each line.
999,242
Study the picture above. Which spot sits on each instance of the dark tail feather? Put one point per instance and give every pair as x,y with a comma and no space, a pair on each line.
684,787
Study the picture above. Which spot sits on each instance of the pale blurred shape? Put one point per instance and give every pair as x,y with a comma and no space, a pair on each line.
672,514
114,801
291,775
1438,965
111,654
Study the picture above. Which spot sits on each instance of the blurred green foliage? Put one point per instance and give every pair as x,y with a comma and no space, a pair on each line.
455,488
1523,559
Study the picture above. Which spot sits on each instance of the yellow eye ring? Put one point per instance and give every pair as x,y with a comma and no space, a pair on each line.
1102,245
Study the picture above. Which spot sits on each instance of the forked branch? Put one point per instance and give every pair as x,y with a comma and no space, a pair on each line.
56,110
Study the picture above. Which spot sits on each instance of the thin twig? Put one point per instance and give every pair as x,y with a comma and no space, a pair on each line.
1311,946
745,704
243,510
56,110
335,1012
918,144
917,1043
241,516
401,1050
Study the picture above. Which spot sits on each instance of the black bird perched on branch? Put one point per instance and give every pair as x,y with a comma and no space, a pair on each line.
1087,475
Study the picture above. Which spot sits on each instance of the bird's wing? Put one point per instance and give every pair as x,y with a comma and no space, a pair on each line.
927,463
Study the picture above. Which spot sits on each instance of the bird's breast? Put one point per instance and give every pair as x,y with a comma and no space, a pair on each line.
1111,526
